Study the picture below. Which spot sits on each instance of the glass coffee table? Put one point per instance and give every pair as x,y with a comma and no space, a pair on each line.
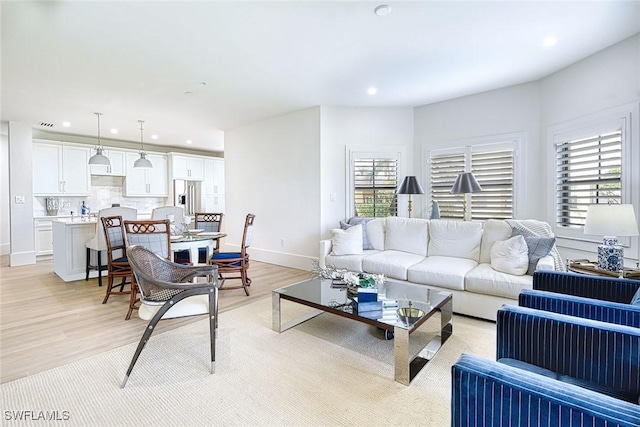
326,297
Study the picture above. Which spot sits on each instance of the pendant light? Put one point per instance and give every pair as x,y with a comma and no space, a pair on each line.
99,158
142,162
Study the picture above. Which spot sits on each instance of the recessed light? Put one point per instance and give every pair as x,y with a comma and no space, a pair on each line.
382,10
372,91
154,136
66,124
189,141
114,131
549,41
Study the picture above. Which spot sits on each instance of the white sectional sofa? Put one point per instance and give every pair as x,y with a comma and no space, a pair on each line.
449,255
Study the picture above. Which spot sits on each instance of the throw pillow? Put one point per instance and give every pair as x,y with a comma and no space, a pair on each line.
510,256
636,298
366,245
539,247
346,242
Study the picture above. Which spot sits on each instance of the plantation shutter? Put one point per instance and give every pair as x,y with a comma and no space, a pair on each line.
494,172
375,182
588,171
444,170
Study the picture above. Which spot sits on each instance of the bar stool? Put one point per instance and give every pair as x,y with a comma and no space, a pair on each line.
98,243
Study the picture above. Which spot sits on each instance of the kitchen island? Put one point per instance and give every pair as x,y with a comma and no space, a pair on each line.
69,247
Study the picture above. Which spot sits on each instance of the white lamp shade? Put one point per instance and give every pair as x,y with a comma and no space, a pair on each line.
611,220
99,158
143,162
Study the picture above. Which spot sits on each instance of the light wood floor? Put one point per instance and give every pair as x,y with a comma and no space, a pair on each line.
46,322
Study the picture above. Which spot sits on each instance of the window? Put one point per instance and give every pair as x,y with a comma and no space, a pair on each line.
592,161
444,170
588,171
373,177
375,182
494,172
493,167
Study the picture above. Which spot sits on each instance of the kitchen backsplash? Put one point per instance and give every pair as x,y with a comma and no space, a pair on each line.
105,190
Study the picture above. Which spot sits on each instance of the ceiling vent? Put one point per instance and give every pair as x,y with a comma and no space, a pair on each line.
47,125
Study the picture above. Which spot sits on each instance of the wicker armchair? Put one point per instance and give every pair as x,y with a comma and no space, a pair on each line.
164,283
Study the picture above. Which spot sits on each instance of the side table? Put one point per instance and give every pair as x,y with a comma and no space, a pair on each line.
583,266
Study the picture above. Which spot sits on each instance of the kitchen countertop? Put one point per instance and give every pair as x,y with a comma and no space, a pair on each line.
77,221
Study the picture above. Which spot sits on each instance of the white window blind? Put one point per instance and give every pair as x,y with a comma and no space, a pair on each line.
494,172
444,169
588,171
375,182
493,167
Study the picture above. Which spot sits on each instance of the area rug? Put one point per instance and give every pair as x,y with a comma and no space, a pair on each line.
327,371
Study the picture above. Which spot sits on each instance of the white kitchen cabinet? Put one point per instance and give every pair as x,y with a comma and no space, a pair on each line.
43,237
146,182
213,177
187,167
117,167
60,170
214,203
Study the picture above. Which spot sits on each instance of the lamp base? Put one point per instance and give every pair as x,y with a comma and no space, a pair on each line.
610,255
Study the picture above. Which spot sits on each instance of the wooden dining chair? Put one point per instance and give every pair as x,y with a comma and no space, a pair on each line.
153,234
117,264
210,222
236,262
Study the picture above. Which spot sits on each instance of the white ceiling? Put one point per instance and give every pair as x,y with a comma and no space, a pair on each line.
63,61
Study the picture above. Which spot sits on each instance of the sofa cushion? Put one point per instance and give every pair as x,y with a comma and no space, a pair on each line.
510,256
445,272
346,242
375,232
485,280
493,230
348,262
406,235
357,220
459,239
393,264
538,247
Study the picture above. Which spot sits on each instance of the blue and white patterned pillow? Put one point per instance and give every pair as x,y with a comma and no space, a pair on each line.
539,247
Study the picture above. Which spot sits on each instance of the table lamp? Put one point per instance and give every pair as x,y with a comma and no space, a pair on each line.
410,185
465,183
611,221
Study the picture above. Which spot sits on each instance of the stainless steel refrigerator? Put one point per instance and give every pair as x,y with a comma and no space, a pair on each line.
188,195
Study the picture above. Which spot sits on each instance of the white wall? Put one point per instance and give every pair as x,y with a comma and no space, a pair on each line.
502,111
603,81
4,191
21,185
272,169
355,126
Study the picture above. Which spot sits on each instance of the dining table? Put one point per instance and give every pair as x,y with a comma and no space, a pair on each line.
194,241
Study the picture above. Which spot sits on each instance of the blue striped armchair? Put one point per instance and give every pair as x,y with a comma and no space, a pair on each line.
551,370
586,286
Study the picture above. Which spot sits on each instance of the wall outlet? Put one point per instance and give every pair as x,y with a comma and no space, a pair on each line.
20,200
332,197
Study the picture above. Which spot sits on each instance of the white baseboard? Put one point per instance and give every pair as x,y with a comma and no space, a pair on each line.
5,248
301,262
22,258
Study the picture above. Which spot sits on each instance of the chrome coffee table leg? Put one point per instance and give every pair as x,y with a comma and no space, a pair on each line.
407,368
